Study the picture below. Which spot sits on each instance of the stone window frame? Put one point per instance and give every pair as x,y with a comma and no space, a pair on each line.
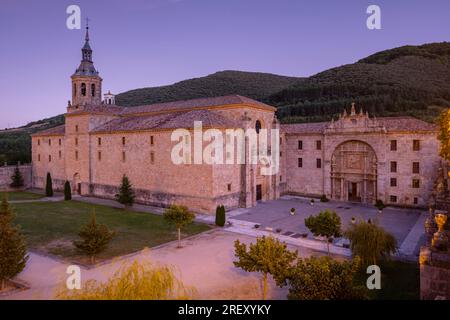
416,167
415,183
59,154
299,162
124,156
59,142
416,145
393,182
76,141
152,157
393,166
415,200
39,157
99,141
393,145
83,89
76,128
39,142
319,163
393,199
99,156
152,140
49,142
318,144
229,187
300,145
49,158
124,141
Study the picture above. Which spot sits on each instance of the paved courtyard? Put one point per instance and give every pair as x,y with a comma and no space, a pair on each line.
276,214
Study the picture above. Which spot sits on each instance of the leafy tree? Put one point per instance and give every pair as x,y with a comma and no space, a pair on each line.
67,191
267,256
95,238
444,134
370,242
180,216
49,186
326,224
13,250
220,216
17,179
324,279
134,282
126,194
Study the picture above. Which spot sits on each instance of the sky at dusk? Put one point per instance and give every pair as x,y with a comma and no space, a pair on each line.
143,43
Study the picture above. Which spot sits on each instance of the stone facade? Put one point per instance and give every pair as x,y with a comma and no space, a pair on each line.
349,159
6,173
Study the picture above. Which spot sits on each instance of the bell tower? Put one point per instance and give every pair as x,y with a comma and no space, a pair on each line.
86,82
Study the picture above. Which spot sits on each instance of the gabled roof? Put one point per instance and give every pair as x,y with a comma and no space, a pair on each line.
195,104
166,121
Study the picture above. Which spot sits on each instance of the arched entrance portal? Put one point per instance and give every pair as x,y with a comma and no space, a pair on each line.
354,172
76,184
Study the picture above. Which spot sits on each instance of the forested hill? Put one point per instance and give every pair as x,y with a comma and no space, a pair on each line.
254,85
409,80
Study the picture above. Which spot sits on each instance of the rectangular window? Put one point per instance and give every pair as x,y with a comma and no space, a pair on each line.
59,141
393,182
76,128
99,141
416,167
152,157
416,145
281,141
99,156
39,157
319,163
319,145
123,156
416,201
60,154
76,141
300,145
123,141
393,145
281,153
300,162
39,142
76,155
152,141
229,187
49,158
393,166
281,178
49,142
416,183
393,199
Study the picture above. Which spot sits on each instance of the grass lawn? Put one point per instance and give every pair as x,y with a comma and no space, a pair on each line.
399,281
52,226
21,195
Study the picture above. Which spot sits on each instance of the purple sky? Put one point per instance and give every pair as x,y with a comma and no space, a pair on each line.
142,43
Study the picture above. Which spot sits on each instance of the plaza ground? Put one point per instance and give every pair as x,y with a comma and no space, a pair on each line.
205,260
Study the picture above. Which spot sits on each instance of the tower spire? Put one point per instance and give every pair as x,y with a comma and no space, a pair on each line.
87,30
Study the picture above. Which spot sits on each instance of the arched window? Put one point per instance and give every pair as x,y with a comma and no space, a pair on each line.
258,126
74,89
92,90
83,89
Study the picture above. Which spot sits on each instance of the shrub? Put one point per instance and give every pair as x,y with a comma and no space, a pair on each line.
13,250
16,179
49,186
324,198
370,242
67,191
95,238
220,216
379,204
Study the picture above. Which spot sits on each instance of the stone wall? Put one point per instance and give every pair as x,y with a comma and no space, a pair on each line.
434,274
6,173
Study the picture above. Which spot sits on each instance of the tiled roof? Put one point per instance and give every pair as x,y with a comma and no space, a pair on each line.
55,131
392,124
167,121
313,127
194,103
406,124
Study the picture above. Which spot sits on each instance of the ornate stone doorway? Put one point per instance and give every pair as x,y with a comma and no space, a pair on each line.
354,172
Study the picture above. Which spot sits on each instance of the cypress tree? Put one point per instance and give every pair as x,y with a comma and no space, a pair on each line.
16,179
67,191
13,251
126,193
220,216
49,186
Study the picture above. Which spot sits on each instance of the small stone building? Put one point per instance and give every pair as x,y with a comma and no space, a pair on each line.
356,158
